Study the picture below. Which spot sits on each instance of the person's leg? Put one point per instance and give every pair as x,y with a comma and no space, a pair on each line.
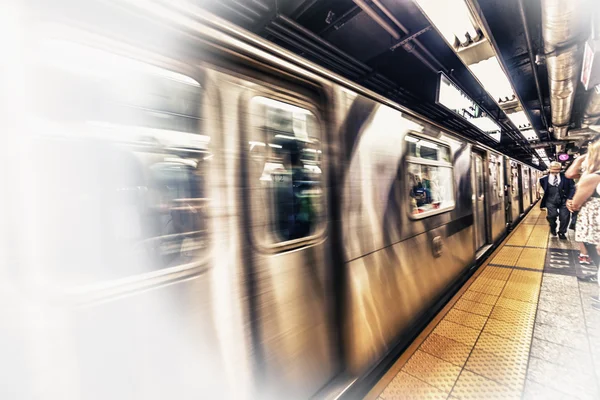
564,216
593,253
584,258
552,213
596,298
583,250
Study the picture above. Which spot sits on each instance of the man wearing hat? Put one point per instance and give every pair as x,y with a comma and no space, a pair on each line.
557,190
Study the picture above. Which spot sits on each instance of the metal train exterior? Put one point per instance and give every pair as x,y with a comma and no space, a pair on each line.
168,254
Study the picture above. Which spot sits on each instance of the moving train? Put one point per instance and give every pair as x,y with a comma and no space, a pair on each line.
208,215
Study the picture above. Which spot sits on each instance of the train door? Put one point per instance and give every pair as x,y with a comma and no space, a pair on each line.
478,179
286,240
514,190
520,188
525,182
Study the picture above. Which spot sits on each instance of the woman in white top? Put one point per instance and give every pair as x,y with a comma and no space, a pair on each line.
587,201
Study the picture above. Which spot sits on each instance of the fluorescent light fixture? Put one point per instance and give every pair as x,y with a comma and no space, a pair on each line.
492,77
275,146
520,120
530,135
411,139
535,161
452,18
455,22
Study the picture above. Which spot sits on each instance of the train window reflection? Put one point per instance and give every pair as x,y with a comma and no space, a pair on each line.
286,166
125,165
431,186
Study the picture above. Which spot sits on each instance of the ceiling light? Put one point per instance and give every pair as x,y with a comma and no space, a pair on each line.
530,135
519,118
452,18
492,77
521,121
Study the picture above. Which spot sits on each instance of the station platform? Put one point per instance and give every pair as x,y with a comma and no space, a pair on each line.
522,327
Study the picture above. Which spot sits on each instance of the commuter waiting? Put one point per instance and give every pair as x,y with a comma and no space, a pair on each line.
587,201
557,190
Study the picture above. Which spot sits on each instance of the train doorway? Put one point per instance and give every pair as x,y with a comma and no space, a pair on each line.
479,220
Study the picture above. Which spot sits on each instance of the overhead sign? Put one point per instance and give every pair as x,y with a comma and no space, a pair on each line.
590,72
454,99
563,157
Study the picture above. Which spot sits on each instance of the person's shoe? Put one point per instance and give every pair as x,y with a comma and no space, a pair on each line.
584,259
553,232
595,299
562,236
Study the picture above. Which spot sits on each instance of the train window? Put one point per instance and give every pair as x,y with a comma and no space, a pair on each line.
84,84
431,180
496,175
125,164
514,177
285,153
427,150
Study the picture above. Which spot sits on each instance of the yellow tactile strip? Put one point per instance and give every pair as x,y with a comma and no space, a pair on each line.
480,348
508,256
406,386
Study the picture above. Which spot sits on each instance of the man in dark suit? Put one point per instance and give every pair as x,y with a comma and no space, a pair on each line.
557,190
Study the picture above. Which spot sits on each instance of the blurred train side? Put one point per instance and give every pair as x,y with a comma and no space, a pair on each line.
204,297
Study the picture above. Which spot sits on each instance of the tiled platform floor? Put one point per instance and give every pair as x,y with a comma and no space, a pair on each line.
521,328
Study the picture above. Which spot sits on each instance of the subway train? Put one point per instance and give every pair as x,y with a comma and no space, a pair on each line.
208,215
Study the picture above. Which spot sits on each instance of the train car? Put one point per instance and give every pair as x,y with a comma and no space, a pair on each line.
211,215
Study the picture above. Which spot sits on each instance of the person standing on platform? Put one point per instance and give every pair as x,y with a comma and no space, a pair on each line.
557,190
574,172
587,202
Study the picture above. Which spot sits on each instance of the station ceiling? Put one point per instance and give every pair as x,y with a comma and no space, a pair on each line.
403,63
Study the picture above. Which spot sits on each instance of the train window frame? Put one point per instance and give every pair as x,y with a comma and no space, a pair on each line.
431,163
270,242
141,54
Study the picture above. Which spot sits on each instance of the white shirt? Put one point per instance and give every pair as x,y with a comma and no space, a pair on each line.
551,179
